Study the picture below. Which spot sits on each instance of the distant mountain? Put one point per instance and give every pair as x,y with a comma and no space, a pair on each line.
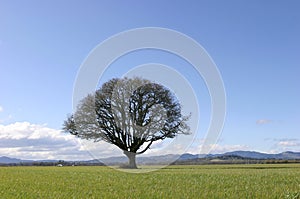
249,154
288,155
188,156
7,160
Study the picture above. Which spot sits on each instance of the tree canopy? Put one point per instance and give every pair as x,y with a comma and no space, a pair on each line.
129,113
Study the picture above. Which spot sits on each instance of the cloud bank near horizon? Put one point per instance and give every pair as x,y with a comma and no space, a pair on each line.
38,142
34,141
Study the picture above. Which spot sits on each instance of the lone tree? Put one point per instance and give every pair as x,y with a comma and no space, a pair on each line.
129,113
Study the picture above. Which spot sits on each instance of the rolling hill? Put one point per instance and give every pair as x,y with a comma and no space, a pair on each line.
288,155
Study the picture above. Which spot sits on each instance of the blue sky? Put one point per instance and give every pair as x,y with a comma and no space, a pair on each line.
255,45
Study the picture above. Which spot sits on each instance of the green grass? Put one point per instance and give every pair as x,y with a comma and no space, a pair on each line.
211,181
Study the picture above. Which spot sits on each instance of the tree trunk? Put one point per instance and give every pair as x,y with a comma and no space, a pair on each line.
131,159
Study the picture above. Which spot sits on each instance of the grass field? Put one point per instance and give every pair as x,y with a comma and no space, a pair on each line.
210,181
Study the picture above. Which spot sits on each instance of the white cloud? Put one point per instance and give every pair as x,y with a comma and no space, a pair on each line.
288,143
218,148
196,148
284,144
100,149
1,109
34,141
263,121
227,148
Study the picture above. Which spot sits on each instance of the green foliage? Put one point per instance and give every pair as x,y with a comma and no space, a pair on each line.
210,181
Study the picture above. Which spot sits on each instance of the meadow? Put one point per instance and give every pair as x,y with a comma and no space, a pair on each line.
201,181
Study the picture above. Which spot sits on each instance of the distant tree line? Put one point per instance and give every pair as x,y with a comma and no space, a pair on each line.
228,159
233,160
54,163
